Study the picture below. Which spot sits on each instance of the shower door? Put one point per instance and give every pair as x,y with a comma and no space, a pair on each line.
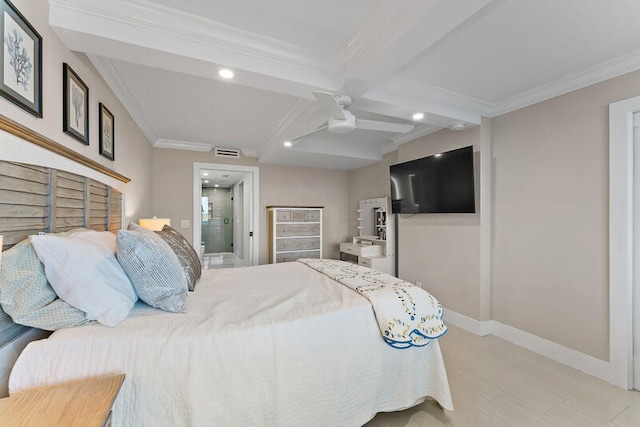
217,220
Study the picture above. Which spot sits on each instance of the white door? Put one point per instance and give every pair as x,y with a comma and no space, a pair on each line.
636,251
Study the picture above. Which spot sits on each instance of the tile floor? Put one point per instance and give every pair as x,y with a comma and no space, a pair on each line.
495,383
221,260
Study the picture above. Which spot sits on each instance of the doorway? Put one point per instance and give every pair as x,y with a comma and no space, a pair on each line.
225,221
624,243
636,253
217,219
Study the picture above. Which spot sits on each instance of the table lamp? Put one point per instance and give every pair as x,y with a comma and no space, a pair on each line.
154,223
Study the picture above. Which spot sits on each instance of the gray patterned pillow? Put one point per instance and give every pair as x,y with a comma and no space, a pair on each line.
186,254
153,268
28,298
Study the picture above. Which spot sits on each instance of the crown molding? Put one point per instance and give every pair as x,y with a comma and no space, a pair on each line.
418,132
182,145
433,99
249,152
169,30
597,74
116,83
396,33
300,112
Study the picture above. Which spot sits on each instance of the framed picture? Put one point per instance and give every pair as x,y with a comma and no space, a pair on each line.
21,71
75,105
107,133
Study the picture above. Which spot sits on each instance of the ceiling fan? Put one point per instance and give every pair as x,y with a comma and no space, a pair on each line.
342,120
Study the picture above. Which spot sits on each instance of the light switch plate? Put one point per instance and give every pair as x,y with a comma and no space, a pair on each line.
185,223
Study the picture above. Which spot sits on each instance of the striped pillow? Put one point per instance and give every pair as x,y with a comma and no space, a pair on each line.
186,254
153,268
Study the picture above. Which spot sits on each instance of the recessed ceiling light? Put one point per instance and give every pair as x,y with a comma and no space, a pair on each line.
205,174
457,126
206,181
216,185
225,73
437,155
418,116
287,144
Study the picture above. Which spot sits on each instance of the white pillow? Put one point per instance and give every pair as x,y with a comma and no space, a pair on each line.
27,296
83,270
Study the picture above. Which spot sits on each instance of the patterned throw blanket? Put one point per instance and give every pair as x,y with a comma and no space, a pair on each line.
408,316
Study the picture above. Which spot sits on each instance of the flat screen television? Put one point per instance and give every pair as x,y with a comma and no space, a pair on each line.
442,183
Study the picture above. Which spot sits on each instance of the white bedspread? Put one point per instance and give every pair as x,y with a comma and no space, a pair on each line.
274,345
408,316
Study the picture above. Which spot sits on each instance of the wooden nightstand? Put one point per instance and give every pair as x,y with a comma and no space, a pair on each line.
84,403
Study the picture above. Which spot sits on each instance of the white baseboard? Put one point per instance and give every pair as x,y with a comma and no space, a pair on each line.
467,323
567,356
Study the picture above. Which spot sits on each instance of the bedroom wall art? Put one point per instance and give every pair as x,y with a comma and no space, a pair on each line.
107,133
21,55
75,105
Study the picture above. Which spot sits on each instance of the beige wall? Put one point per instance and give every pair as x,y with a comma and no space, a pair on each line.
132,150
284,185
440,251
279,185
550,254
369,182
549,241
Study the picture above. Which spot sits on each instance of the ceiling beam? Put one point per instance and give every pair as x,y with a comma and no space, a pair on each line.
154,35
397,33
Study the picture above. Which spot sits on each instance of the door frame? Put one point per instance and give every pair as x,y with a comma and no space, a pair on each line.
254,217
621,268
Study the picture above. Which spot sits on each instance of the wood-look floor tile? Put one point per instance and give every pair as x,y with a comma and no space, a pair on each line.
495,383
630,417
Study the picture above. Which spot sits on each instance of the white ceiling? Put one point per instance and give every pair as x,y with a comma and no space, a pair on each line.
220,178
454,60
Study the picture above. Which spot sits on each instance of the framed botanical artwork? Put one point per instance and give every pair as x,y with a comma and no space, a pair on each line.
21,71
107,132
75,105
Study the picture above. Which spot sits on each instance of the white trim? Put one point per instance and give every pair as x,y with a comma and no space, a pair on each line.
255,209
418,132
406,95
599,73
620,240
182,145
467,323
417,92
166,29
15,149
116,83
249,152
567,356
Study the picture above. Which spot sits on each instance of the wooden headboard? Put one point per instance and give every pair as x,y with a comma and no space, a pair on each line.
37,199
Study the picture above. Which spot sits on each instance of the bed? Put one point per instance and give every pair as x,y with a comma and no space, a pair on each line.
276,345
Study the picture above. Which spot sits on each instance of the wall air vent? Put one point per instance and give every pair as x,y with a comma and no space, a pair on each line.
227,152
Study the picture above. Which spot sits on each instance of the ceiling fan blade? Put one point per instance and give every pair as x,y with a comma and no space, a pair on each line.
329,104
383,126
299,137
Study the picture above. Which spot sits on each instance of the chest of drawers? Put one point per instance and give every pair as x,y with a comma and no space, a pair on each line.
294,232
